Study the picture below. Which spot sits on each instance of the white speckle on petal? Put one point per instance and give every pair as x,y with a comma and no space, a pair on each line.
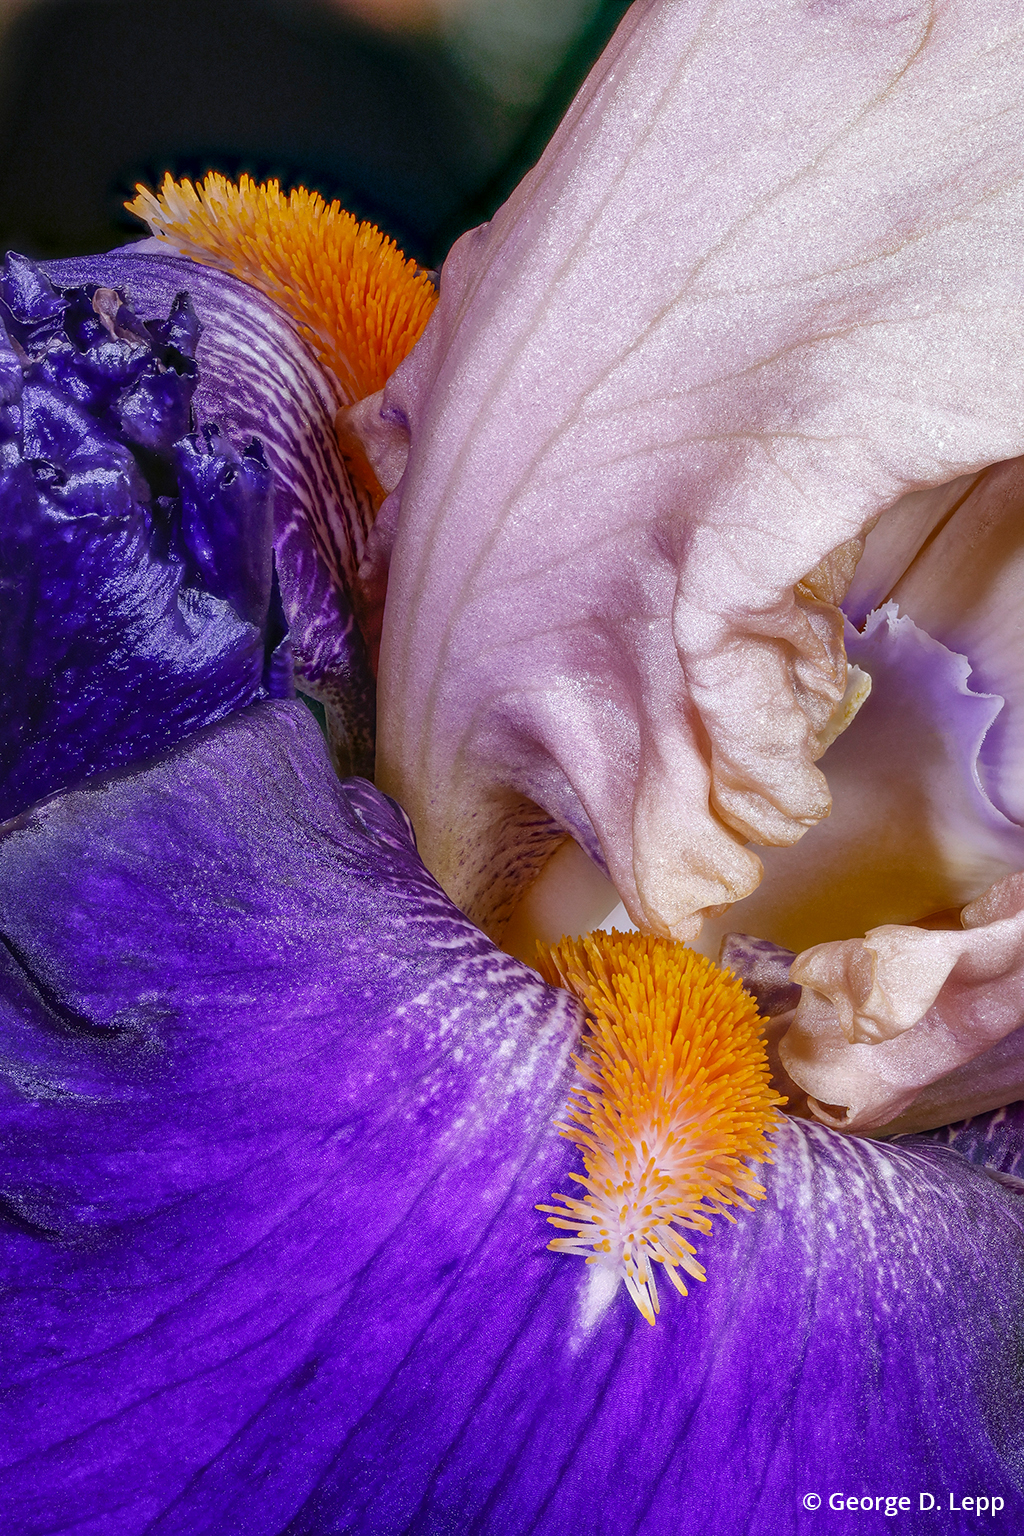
598,1286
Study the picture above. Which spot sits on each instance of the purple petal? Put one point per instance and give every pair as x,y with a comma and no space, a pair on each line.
128,617
994,1141
258,378
276,1118
763,967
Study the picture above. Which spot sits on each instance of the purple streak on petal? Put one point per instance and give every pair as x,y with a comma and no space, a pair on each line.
994,1141
394,416
127,618
259,379
277,1117
823,1351
763,968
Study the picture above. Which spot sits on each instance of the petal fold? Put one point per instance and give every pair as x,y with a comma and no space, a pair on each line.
906,1028
964,587
595,620
136,556
258,377
912,830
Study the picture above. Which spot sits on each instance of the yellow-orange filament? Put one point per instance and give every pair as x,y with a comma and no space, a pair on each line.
673,1108
356,298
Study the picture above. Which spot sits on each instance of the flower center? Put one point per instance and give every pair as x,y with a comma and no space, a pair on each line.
673,1107
357,299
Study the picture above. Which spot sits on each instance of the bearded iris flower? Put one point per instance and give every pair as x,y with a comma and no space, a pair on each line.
277,1115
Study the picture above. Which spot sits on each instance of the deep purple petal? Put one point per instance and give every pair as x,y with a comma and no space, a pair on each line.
994,1141
857,1337
259,379
218,490
87,344
276,1119
136,566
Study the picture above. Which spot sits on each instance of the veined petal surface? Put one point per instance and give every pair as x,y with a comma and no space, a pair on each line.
725,323
276,1117
259,378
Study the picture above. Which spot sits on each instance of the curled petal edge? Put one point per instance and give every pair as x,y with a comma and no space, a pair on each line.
892,1030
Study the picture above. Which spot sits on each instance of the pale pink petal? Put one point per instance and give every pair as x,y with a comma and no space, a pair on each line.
897,539
883,1017
912,831
765,280
966,587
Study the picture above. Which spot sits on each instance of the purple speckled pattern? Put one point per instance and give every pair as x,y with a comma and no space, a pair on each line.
258,378
275,1118
994,1141
763,968
137,564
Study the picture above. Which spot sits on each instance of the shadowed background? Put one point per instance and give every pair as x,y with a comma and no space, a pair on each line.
418,114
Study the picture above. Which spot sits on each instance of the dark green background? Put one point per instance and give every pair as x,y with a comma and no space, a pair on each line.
97,94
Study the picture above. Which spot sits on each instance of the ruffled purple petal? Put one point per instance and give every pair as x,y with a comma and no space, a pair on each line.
136,565
953,559
258,378
276,1118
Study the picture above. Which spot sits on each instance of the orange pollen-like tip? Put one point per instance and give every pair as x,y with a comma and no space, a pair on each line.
354,295
672,1109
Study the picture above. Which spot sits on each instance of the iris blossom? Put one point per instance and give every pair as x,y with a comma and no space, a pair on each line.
277,1113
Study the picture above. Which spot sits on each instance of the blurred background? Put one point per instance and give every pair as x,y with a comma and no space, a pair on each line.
418,114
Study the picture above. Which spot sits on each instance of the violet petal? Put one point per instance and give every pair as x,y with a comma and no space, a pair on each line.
126,617
276,1118
258,378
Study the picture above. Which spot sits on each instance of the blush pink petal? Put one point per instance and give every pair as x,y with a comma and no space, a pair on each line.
954,560
765,280
884,1017
966,587
912,830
